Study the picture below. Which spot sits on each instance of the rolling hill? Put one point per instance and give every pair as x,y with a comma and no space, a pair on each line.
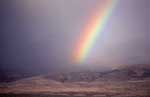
125,81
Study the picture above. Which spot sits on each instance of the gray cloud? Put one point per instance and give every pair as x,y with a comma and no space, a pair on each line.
43,33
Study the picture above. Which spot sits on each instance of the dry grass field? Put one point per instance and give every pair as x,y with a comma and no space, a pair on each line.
126,82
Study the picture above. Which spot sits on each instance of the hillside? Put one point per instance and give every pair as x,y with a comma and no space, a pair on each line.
126,81
133,72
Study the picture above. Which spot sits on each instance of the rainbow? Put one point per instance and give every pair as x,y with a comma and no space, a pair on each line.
92,30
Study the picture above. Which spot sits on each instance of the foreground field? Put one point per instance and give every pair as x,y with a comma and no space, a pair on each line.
31,95
124,82
39,87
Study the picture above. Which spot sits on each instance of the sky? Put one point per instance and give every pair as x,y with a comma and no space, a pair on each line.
42,34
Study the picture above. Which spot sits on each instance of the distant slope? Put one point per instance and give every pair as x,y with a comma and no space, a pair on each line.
133,72
128,72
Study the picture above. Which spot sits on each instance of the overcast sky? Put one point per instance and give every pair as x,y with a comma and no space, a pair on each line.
43,33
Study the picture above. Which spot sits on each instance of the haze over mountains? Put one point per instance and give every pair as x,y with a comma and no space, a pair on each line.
127,72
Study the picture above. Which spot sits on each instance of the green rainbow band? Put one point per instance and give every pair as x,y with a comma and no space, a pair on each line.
97,30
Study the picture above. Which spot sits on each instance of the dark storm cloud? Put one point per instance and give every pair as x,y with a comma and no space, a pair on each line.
43,33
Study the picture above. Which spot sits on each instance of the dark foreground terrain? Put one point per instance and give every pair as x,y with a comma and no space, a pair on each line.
32,95
125,82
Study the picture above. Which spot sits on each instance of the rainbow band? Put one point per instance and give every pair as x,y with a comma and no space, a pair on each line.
93,30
